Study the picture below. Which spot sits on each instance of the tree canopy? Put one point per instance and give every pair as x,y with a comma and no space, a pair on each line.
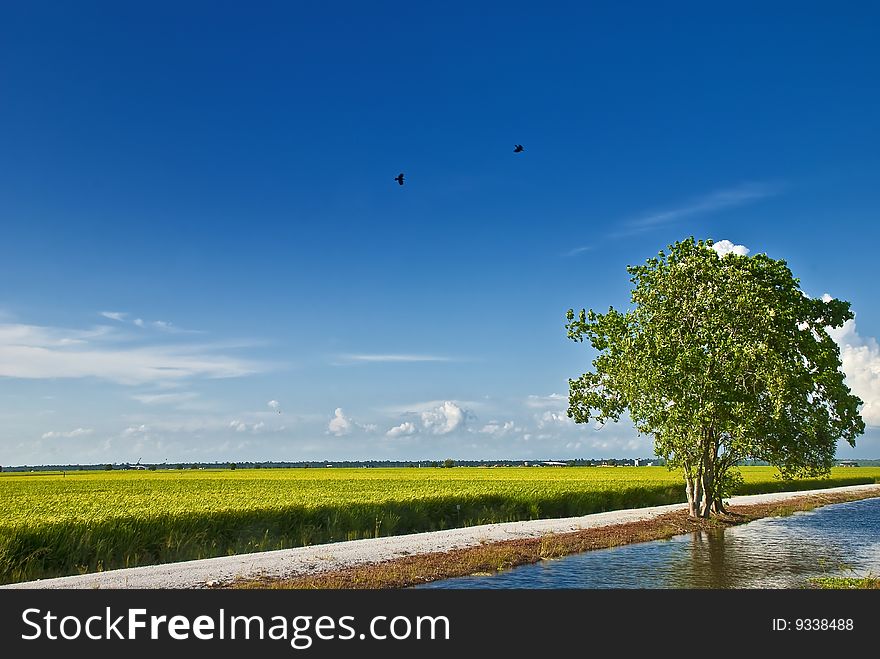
721,358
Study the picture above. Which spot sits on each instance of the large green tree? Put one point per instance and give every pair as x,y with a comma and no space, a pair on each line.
720,358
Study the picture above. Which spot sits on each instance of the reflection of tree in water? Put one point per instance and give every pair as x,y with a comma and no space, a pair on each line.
753,556
711,558
705,560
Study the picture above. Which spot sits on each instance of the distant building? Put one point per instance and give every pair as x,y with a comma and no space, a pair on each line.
847,463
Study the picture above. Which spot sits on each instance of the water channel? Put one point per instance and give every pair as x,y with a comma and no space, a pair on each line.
774,552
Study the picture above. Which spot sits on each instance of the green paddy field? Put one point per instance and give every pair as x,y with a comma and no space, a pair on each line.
53,524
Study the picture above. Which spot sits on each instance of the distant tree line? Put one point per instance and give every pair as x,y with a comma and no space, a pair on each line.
447,463
317,464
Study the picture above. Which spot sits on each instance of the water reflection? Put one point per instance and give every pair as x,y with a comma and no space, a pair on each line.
777,552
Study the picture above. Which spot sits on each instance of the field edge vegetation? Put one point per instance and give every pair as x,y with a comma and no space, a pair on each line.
80,524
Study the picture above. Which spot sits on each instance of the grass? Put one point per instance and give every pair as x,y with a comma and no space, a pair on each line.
80,522
846,583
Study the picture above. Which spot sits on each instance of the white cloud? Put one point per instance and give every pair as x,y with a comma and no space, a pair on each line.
444,419
115,315
405,428
135,430
35,352
274,404
78,432
553,419
860,357
430,405
139,322
340,424
723,247
578,250
241,426
499,429
393,358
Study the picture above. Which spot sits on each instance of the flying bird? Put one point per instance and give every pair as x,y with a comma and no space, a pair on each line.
399,178
517,148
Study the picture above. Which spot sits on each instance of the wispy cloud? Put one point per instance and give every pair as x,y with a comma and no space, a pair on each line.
169,327
161,325
553,400
37,352
166,399
378,358
49,337
578,250
241,426
211,424
718,200
499,428
78,432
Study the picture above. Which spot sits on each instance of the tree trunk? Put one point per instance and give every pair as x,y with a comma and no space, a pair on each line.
708,494
710,456
697,490
689,490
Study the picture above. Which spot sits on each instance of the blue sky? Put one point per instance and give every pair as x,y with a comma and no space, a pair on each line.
199,215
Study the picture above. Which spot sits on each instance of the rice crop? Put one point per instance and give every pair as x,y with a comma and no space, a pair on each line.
54,524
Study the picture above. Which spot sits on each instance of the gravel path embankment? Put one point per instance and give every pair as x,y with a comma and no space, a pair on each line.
287,563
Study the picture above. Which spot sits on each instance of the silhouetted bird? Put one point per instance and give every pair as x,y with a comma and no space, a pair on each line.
518,148
399,178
